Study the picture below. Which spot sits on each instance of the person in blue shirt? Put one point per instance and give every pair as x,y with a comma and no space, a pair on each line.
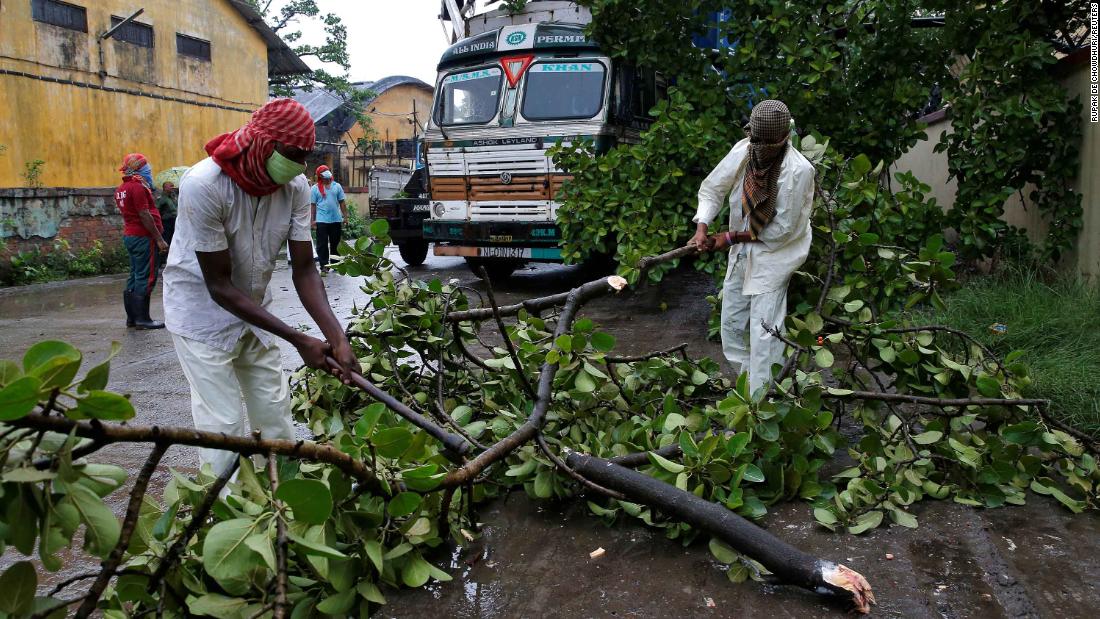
329,212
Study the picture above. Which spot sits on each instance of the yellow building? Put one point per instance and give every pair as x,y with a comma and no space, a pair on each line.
398,109
181,73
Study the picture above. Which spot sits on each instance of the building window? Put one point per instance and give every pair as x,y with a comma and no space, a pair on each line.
61,14
134,32
190,46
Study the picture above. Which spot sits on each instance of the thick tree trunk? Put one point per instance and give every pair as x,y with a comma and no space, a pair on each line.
780,558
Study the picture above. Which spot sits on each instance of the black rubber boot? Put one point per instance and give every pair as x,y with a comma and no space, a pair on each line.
128,303
141,307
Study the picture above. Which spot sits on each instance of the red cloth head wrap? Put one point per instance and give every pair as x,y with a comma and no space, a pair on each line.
320,181
242,154
132,163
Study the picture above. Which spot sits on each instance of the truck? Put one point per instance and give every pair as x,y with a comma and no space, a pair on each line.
510,88
398,195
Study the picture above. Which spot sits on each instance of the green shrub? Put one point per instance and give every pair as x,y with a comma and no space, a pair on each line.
34,265
356,225
1051,319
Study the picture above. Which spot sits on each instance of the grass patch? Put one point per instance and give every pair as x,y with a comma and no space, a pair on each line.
1056,322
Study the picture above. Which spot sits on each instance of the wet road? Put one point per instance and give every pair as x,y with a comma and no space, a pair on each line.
533,559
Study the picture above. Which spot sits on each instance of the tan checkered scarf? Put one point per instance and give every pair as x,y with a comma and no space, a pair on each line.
769,132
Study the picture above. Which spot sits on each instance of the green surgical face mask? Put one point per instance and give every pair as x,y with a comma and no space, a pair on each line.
283,170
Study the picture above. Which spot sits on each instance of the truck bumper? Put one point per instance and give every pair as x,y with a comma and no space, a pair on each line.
537,241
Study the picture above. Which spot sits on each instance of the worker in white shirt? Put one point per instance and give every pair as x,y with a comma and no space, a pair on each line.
237,209
771,194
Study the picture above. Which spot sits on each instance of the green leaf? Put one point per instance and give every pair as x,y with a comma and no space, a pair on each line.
54,363
416,572
753,474
379,228
216,605
392,442
665,463
103,405
374,553
310,500
315,548
96,378
584,382
674,421
904,518
824,358
101,527
19,398
603,342
722,552
261,543
9,371
403,504
339,604
370,592
542,486
737,444
18,585
989,387
866,522
26,474
824,516
226,557
860,166
422,526
927,438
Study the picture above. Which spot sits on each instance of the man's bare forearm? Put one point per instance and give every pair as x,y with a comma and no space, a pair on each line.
242,306
311,290
150,226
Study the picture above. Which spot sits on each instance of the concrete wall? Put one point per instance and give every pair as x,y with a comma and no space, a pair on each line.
931,168
81,128
34,218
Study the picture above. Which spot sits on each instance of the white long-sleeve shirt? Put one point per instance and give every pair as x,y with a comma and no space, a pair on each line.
784,243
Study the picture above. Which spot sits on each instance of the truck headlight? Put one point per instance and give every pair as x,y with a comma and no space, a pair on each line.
438,210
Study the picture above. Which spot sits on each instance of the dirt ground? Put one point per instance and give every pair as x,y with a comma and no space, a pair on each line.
533,560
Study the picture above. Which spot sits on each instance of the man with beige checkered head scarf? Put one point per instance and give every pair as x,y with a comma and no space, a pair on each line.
771,193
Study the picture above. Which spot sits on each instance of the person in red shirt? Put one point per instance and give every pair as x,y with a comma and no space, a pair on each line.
142,234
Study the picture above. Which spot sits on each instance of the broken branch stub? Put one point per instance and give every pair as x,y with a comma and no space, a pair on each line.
785,561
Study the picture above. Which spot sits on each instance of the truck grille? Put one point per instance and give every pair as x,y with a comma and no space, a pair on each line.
479,188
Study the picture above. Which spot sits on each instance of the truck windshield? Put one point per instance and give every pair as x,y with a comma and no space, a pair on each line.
564,90
469,98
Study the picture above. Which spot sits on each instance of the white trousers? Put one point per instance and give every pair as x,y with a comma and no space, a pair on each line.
745,341
219,380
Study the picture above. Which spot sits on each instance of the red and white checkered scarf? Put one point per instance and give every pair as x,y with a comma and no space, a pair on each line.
242,154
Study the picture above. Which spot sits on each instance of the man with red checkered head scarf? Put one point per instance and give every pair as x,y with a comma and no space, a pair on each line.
237,209
771,195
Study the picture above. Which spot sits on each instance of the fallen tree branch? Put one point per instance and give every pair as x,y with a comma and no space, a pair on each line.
455,445
133,510
646,357
509,346
788,563
937,402
246,446
280,604
198,518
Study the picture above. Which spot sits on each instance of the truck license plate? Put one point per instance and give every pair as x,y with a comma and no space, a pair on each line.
504,252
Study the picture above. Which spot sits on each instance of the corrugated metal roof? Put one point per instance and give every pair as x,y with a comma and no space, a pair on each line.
281,60
386,83
321,103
